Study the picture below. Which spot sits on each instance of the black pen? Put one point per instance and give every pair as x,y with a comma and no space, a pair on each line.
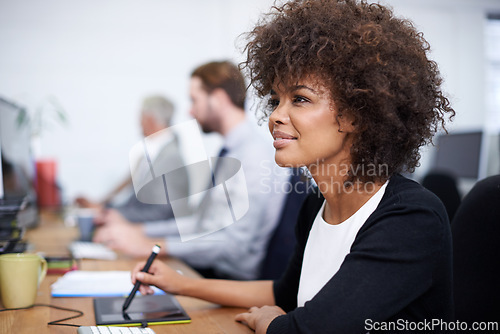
155,251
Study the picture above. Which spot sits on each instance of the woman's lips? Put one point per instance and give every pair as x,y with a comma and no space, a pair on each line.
281,139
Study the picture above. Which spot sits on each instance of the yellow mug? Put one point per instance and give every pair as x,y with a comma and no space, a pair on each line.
20,277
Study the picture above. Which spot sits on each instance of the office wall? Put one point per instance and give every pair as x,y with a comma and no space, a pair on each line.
99,58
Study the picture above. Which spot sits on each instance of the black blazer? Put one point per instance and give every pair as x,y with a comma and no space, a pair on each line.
399,269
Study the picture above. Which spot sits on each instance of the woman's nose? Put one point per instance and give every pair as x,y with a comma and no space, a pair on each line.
279,115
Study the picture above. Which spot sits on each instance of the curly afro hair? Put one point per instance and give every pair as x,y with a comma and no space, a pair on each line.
374,66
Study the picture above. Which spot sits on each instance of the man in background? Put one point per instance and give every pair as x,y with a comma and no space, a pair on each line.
237,247
162,149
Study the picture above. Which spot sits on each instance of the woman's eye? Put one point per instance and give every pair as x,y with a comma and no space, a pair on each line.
299,99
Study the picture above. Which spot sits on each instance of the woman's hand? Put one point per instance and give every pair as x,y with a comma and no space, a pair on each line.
259,318
161,276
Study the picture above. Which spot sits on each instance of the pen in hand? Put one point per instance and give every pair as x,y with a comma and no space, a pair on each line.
155,251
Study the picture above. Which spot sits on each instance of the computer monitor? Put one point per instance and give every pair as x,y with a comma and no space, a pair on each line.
459,153
17,169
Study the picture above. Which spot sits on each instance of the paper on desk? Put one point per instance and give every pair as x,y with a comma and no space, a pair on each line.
81,283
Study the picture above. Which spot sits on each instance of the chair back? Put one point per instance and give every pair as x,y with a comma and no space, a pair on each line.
476,253
444,186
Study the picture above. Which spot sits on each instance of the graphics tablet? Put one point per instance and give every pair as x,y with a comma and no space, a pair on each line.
150,309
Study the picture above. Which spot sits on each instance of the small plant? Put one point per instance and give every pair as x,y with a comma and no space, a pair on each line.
45,115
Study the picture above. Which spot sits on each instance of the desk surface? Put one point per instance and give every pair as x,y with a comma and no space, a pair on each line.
52,238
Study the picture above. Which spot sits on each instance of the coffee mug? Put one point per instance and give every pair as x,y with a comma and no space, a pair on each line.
20,277
85,219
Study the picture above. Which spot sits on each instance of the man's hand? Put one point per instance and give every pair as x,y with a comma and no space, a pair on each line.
84,202
259,318
110,217
119,234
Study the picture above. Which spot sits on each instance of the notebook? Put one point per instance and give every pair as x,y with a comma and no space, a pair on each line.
144,310
83,283
91,250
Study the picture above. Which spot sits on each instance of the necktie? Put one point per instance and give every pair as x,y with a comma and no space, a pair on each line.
206,199
222,153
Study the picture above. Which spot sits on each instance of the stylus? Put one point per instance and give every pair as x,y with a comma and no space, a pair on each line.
155,251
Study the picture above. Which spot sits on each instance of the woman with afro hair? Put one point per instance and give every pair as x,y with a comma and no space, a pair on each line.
351,95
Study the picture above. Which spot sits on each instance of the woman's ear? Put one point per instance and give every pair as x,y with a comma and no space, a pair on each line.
346,123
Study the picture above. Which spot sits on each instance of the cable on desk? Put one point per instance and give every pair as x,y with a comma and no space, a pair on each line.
55,322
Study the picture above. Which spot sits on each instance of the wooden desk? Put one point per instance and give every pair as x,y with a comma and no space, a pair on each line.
52,238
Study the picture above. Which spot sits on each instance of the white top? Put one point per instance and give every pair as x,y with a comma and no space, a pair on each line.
328,245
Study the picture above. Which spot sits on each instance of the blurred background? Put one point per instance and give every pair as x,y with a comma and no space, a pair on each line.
81,69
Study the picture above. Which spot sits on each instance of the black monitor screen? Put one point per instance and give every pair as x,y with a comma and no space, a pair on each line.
17,167
459,153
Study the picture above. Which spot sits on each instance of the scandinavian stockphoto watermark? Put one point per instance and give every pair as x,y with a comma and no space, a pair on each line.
321,175
430,326
154,181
